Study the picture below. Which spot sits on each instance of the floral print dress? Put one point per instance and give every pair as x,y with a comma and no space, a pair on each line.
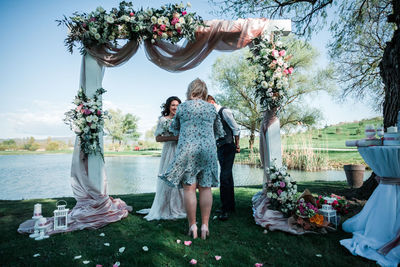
198,125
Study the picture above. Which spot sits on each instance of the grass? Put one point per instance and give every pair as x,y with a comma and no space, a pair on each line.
239,240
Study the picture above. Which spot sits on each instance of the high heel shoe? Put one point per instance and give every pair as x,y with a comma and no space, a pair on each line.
204,232
193,231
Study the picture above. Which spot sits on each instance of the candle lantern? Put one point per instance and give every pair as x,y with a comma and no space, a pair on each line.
329,214
61,216
37,211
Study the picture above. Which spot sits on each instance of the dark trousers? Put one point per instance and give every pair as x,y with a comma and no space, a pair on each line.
226,156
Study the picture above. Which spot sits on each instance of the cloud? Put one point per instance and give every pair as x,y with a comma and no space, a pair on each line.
42,119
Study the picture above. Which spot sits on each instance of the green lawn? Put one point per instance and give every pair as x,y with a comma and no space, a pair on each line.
333,136
239,241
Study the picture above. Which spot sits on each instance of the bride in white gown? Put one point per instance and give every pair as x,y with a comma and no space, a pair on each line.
168,202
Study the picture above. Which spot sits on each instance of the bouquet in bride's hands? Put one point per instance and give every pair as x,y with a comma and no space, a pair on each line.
166,128
281,190
87,121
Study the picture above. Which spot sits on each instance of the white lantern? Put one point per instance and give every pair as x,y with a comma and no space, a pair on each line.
61,216
329,214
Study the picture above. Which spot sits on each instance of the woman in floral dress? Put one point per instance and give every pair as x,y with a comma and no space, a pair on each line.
168,202
195,163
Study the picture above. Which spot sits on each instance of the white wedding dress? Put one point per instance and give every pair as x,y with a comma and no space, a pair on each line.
168,202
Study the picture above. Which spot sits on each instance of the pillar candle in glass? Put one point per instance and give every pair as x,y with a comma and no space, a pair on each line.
37,210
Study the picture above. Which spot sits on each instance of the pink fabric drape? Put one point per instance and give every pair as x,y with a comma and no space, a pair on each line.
222,35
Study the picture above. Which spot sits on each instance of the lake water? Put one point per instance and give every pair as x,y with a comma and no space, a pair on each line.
48,175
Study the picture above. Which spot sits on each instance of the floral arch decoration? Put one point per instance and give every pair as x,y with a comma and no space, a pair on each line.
159,30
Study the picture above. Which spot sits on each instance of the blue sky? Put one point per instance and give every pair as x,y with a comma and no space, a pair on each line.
39,78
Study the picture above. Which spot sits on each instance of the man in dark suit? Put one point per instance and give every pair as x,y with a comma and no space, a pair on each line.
227,147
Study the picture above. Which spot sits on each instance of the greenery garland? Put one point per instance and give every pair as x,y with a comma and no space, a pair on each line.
171,22
273,70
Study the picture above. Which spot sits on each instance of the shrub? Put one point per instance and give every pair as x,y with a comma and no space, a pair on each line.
52,146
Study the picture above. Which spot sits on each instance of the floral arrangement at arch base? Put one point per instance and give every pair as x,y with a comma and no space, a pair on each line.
306,213
86,119
281,190
274,70
171,22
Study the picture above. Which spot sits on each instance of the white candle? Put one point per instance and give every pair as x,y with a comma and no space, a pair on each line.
37,210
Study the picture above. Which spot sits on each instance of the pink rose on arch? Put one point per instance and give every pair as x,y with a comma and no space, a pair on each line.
92,19
99,112
279,192
282,184
286,71
290,70
131,14
154,28
275,53
184,13
274,62
163,27
87,112
282,53
174,21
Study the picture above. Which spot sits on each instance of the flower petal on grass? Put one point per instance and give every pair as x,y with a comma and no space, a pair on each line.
86,262
193,261
258,264
318,255
218,258
77,257
145,248
99,265
265,231
102,234
117,264
187,243
178,241
107,244
36,255
121,250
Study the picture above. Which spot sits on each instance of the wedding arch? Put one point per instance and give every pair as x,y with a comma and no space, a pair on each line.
159,30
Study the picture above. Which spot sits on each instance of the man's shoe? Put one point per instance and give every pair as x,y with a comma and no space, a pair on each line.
219,211
223,216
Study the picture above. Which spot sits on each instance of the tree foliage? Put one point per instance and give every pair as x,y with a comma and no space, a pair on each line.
121,127
359,31
233,77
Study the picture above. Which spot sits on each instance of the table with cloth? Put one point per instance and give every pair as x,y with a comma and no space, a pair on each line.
376,229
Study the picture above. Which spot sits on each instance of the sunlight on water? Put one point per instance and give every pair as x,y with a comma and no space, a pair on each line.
46,176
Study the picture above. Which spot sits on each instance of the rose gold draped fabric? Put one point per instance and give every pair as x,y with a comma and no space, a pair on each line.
114,56
222,35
